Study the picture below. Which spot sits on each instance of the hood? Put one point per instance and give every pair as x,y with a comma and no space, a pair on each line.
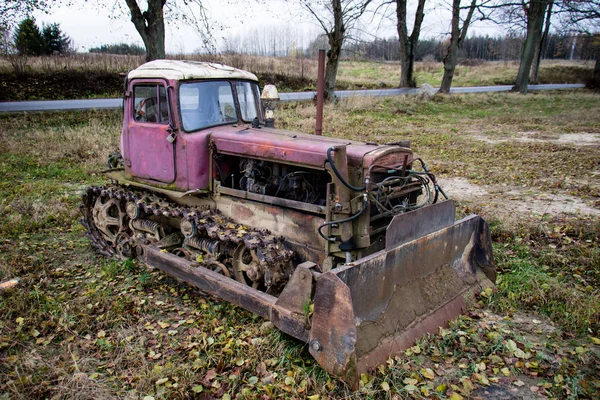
300,148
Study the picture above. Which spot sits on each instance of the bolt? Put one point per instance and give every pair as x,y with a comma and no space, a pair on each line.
316,346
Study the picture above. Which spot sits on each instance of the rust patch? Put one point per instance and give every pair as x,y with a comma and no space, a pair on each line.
242,213
333,335
407,337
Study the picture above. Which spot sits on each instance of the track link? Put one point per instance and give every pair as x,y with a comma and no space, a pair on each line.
270,250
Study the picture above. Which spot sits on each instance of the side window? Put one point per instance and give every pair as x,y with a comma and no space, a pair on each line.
150,104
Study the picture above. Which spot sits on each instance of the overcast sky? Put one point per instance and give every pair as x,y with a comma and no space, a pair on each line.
91,26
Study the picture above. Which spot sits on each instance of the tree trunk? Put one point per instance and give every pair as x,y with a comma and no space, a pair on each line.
595,83
151,26
449,67
336,41
535,21
408,44
404,43
457,36
331,69
539,51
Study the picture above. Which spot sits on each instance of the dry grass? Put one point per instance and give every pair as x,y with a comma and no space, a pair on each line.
86,327
81,138
351,75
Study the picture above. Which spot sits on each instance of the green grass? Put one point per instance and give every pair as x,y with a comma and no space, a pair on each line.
81,326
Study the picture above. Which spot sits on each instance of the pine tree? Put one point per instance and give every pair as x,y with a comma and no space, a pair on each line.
28,38
55,40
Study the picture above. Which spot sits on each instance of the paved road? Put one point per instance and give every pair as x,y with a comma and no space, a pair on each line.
53,105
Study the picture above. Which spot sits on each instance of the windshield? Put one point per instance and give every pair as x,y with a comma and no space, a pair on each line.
211,103
205,104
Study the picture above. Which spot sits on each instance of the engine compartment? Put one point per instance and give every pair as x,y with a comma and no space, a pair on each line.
273,179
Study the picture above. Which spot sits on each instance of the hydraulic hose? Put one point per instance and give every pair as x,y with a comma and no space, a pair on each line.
436,187
342,221
339,176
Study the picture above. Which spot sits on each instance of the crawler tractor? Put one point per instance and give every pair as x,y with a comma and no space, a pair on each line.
348,246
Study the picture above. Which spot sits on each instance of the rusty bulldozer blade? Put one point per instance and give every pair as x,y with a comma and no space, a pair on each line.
381,304
377,306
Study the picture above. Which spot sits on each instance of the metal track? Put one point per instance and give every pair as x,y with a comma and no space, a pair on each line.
209,224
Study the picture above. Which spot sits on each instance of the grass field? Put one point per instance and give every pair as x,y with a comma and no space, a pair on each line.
80,326
94,75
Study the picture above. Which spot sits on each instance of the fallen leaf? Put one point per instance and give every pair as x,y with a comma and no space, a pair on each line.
261,369
511,346
210,375
521,354
410,381
428,373
197,389
385,386
161,381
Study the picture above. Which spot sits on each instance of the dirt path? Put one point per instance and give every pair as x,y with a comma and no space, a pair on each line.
574,139
512,202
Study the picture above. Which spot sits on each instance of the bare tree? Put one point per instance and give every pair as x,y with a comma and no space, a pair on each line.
458,34
408,44
535,12
584,16
150,22
12,11
336,17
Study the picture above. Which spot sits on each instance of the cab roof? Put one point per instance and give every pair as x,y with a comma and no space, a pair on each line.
180,70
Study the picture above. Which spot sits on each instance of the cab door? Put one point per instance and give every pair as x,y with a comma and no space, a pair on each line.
150,134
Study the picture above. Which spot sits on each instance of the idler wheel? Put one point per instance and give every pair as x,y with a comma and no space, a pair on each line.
246,267
218,267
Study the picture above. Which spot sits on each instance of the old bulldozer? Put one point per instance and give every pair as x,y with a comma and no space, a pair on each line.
348,246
